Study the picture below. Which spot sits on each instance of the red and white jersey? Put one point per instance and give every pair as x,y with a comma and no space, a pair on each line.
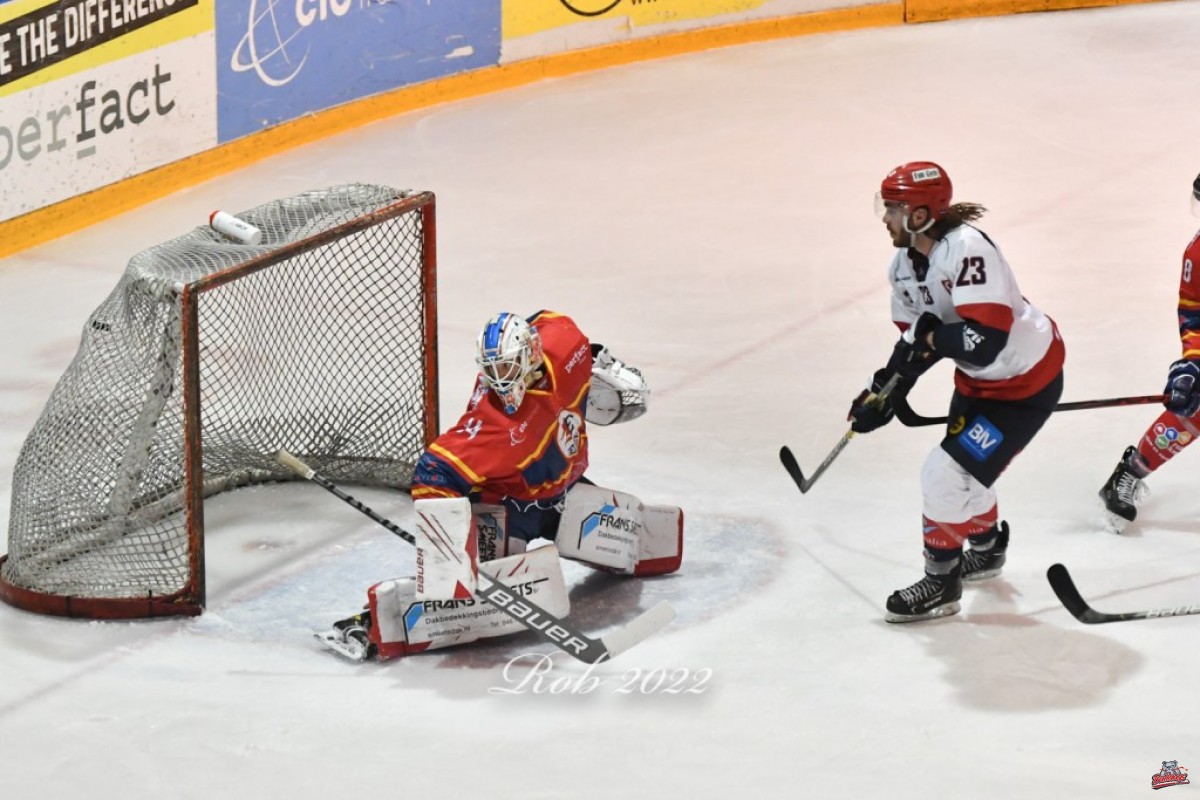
967,279
1189,300
535,454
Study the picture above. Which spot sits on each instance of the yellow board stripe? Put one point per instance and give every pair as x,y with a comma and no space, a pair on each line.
938,10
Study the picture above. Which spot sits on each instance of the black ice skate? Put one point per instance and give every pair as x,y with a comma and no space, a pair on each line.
1124,490
930,597
348,637
979,564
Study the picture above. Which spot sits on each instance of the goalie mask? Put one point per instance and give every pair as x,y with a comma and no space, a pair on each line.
509,354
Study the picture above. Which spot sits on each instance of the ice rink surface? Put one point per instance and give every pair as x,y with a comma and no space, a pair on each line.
709,217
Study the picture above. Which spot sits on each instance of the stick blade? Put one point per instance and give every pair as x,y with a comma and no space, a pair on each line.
793,469
1069,596
641,627
294,464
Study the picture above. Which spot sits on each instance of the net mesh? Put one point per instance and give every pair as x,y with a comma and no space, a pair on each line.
322,353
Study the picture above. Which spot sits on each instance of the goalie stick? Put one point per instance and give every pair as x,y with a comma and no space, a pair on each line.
1064,587
793,467
551,628
912,419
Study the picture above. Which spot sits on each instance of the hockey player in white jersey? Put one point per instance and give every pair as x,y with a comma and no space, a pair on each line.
954,296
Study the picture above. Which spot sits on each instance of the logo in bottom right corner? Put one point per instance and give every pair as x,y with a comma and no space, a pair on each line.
1171,774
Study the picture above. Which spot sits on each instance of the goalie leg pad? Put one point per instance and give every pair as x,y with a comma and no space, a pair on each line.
616,531
491,522
600,527
447,549
660,549
402,625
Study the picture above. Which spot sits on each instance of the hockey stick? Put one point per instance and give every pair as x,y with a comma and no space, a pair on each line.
1064,587
912,419
793,467
551,628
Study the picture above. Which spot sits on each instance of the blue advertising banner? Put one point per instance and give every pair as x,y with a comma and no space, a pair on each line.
281,59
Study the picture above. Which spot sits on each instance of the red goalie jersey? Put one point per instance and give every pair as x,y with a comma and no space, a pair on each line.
535,454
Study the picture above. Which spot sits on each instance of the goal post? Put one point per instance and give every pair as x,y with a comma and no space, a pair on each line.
208,358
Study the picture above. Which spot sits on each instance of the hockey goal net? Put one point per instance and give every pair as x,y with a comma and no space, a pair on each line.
208,358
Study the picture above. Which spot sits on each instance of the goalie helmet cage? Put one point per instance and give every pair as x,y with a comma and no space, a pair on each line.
208,358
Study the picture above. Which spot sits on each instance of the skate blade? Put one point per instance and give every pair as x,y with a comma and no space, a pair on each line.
982,575
941,611
332,640
1114,523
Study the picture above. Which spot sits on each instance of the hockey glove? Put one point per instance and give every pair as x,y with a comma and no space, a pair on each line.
912,359
1183,395
867,412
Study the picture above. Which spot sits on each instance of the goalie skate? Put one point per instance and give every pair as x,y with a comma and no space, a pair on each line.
348,638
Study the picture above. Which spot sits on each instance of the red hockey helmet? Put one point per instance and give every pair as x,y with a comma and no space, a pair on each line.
919,183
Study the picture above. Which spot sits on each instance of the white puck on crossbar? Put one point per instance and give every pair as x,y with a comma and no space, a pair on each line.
236,229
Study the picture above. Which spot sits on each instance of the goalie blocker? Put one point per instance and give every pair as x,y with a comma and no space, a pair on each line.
603,528
447,552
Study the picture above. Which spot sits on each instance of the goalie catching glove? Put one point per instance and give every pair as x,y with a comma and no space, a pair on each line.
616,531
618,392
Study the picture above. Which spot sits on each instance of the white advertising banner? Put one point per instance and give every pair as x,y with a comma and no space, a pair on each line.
119,119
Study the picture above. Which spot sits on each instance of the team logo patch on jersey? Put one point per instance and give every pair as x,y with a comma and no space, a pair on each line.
981,438
570,430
